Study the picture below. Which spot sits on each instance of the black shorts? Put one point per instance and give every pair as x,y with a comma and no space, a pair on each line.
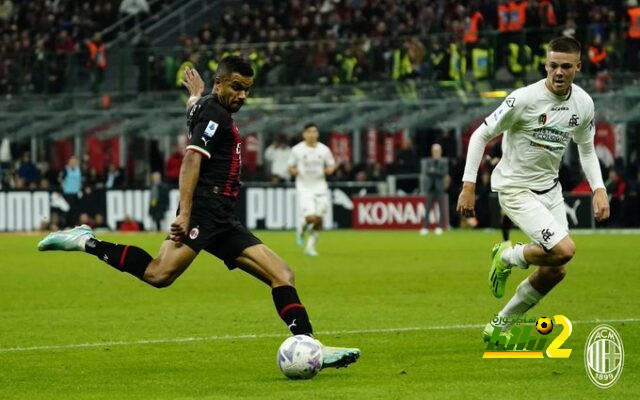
215,228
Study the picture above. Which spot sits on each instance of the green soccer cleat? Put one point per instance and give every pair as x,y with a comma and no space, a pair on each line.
499,271
67,240
488,332
338,357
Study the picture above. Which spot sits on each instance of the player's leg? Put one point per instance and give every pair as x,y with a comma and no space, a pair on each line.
441,208
559,250
505,226
263,263
160,272
429,202
305,207
320,207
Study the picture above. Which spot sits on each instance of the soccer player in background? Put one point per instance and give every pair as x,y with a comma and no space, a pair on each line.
310,162
538,121
208,184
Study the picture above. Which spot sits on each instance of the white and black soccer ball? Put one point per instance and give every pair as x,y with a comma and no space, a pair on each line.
300,357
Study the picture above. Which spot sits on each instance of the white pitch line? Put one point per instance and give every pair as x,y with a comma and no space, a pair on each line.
277,335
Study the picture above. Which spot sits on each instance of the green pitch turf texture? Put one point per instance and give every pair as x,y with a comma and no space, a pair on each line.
73,328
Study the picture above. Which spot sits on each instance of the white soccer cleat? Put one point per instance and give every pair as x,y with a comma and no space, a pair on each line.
424,232
438,231
311,253
67,240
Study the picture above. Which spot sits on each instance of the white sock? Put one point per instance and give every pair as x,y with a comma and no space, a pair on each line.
515,256
525,298
313,238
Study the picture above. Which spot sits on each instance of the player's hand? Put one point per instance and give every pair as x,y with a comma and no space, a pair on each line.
600,205
193,82
179,228
467,200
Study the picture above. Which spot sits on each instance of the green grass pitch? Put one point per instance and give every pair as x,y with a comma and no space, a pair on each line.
73,328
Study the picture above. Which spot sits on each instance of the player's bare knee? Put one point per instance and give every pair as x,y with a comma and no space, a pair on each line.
158,279
564,251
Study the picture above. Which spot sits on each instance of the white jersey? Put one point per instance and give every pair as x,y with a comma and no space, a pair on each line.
537,126
311,162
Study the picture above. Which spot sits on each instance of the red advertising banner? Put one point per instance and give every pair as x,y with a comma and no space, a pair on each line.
394,212
371,146
340,145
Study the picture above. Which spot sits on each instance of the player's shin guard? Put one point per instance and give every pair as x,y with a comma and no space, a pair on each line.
291,310
124,258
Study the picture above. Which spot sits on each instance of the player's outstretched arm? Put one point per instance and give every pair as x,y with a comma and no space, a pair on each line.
591,168
477,143
189,173
194,84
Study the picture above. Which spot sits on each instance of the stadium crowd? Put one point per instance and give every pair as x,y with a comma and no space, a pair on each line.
322,41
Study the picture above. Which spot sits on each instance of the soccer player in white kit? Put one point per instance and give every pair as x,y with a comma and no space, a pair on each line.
538,121
310,162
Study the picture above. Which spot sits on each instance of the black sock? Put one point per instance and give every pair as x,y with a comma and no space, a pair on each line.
124,258
291,310
505,226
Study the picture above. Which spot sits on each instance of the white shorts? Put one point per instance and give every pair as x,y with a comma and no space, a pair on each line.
313,203
541,216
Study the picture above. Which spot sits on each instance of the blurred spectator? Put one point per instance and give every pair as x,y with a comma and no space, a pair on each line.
616,188
114,178
436,169
27,170
134,8
129,225
6,10
173,165
277,155
72,187
406,158
71,178
159,200
633,36
97,62
85,219
99,222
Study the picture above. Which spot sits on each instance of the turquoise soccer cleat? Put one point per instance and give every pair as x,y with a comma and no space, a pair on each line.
499,271
67,240
300,239
338,357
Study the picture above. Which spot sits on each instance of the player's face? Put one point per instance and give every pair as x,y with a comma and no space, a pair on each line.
233,90
310,135
561,70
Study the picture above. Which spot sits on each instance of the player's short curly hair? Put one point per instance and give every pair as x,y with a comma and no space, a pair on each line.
231,64
564,44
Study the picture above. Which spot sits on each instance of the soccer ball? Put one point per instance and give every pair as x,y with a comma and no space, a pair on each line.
300,357
544,325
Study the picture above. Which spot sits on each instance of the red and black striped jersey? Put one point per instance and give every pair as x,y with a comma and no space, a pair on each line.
214,134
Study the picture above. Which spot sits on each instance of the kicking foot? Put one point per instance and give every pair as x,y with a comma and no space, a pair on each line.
311,253
338,357
499,271
67,240
300,239
488,332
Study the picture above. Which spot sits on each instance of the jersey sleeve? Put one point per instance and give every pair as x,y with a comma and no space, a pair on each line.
293,157
507,114
587,129
205,130
329,161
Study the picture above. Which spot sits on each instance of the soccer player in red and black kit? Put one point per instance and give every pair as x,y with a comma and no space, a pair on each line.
209,182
